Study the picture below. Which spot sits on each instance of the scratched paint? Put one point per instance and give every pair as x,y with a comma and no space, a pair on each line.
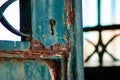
52,52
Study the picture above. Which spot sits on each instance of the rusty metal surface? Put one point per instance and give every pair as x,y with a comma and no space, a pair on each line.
55,50
37,51
70,13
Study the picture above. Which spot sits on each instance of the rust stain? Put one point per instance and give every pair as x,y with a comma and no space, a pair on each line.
70,12
37,50
55,69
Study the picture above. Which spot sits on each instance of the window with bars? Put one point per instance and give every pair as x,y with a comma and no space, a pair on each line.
101,26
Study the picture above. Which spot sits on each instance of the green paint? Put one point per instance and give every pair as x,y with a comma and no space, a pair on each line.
13,45
42,11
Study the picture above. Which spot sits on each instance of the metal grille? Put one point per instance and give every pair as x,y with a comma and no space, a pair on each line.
101,48
6,23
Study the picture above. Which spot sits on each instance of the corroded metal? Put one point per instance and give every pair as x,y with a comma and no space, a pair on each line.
70,13
55,50
37,50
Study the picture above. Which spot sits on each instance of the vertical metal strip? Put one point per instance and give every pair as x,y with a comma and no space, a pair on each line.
78,41
25,18
99,11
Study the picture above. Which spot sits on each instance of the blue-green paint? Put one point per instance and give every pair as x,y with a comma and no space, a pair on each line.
78,48
42,11
36,70
14,45
28,70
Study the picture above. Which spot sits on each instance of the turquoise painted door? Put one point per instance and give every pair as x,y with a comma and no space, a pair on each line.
53,48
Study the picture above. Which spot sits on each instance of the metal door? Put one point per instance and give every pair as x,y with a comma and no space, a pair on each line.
52,42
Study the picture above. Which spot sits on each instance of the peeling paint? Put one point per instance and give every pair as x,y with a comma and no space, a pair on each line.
37,50
70,13
55,70
52,56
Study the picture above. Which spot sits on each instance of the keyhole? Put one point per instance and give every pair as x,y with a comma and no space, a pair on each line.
52,24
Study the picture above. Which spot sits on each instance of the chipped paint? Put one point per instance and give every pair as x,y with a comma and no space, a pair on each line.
55,57
37,50
70,13
54,69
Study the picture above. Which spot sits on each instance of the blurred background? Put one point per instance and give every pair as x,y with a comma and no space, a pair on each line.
101,22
